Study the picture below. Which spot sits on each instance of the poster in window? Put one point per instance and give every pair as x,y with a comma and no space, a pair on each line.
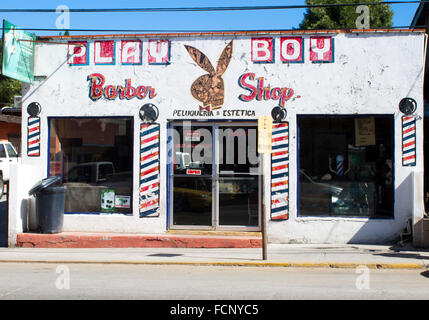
364,132
107,200
122,202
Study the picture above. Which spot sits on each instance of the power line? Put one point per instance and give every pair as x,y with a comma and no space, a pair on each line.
210,9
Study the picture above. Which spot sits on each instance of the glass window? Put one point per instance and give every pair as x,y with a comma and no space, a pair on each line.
10,151
345,166
192,149
2,151
94,156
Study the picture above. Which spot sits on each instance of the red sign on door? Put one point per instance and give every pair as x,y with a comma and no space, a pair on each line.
193,171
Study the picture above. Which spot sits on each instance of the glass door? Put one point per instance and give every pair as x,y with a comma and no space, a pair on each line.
238,177
215,179
192,175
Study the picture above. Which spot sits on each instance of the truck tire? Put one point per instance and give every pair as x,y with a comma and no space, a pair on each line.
1,186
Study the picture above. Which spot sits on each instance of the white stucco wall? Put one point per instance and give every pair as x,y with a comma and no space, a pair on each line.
370,74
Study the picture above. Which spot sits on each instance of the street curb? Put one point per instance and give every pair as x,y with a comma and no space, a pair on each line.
328,265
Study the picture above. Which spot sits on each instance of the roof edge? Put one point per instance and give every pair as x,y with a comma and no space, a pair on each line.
229,33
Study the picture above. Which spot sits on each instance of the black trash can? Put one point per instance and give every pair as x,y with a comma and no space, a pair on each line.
50,201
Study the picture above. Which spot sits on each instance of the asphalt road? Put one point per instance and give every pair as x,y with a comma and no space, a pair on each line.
162,282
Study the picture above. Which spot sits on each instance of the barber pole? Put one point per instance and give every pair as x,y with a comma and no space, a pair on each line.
339,165
408,141
280,172
33,141
149,170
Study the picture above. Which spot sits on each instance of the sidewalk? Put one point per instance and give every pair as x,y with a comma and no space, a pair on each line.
279,255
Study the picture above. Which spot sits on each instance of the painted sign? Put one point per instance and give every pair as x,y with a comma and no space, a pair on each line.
292,49
18,53
104,52
261,92
131,52
209,88
321,49
262,50
159,52
98,89
78,54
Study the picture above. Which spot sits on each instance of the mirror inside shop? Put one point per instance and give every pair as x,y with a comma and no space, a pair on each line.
345,166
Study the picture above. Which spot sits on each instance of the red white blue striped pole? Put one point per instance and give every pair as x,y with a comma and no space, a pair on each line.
149,170
408,141
280,172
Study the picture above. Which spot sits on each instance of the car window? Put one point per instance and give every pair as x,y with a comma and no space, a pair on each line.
105,170
2,151
10,151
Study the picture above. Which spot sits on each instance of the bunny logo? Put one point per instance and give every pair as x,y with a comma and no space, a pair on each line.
209,88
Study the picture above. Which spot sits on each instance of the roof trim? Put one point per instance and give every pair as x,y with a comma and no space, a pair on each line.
230,33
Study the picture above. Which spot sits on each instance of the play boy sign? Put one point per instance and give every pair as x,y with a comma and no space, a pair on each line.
292,48
131,52
321,49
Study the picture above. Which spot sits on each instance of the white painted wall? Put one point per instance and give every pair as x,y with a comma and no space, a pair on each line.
371,73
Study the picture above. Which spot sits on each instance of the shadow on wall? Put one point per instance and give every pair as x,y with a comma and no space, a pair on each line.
388,230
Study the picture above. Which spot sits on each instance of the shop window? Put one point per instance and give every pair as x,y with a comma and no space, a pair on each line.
94,157
345,166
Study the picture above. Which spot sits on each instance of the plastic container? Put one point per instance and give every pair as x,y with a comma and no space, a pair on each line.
50,201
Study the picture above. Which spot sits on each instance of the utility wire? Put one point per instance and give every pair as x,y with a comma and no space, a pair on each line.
208,9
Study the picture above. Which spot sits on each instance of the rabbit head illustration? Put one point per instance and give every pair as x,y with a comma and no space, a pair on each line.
209,88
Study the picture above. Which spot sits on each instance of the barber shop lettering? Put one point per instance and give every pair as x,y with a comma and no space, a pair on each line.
97,89
262,93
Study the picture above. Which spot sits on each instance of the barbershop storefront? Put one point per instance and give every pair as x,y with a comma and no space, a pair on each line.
158,132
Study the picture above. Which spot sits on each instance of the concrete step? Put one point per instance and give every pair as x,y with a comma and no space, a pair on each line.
118,240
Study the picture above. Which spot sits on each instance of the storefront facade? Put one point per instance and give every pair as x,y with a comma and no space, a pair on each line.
152,133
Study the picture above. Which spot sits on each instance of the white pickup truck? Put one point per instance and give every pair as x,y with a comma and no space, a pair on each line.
8,156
